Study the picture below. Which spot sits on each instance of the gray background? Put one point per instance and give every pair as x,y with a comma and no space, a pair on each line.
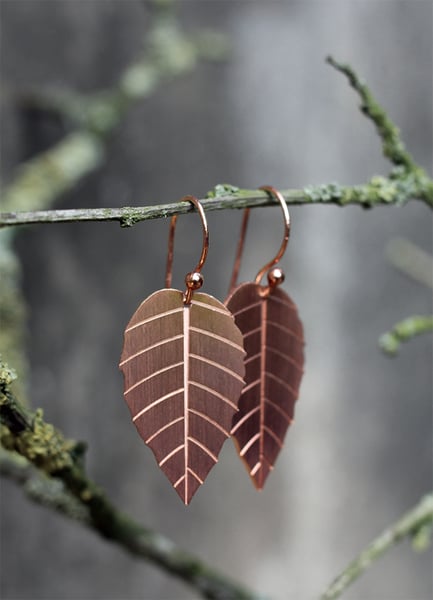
359,453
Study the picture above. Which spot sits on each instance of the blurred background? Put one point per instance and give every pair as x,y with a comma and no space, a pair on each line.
272,112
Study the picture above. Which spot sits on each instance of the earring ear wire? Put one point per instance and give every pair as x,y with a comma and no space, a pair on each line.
275,276
194,279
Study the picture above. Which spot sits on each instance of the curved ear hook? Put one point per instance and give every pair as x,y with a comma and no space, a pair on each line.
273,278
194,279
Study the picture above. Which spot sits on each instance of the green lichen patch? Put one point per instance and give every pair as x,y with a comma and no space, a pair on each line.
331,192
28,433
221,190
45,446
131,216
7,375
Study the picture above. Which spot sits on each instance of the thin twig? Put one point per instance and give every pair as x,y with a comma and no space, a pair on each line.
408,525
379,191
57,459
392,144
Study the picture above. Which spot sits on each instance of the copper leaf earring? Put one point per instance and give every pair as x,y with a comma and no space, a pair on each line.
183,367
274,345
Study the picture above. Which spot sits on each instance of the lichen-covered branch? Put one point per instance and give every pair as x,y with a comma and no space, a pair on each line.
392,144
37,455
378,191
404,331
31,191
413,524
405,172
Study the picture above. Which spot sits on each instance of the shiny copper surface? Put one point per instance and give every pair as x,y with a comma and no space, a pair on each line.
183,367
274,345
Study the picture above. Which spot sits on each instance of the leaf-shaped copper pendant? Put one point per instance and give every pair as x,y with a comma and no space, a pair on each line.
183,366
274,343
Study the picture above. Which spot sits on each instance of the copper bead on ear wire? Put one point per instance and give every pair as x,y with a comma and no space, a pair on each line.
194,280
275,277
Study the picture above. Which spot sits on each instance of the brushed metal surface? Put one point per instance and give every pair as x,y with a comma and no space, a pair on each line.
183,368
274,345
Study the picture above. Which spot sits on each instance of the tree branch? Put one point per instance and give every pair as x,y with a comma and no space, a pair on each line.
378,191
40,488
51,469
404,331
83,151
410,524
392,145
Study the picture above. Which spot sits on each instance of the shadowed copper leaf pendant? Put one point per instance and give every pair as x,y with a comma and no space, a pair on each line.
273,341
274,345
183,366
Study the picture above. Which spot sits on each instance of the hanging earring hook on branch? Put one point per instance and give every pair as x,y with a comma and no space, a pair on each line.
275,276
194,279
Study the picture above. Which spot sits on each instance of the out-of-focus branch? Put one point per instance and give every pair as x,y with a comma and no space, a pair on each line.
169,54
40,488
411,524
12,312
42,179
411,260
51,469
404,331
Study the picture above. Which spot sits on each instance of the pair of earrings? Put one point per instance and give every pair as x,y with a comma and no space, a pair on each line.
197,371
